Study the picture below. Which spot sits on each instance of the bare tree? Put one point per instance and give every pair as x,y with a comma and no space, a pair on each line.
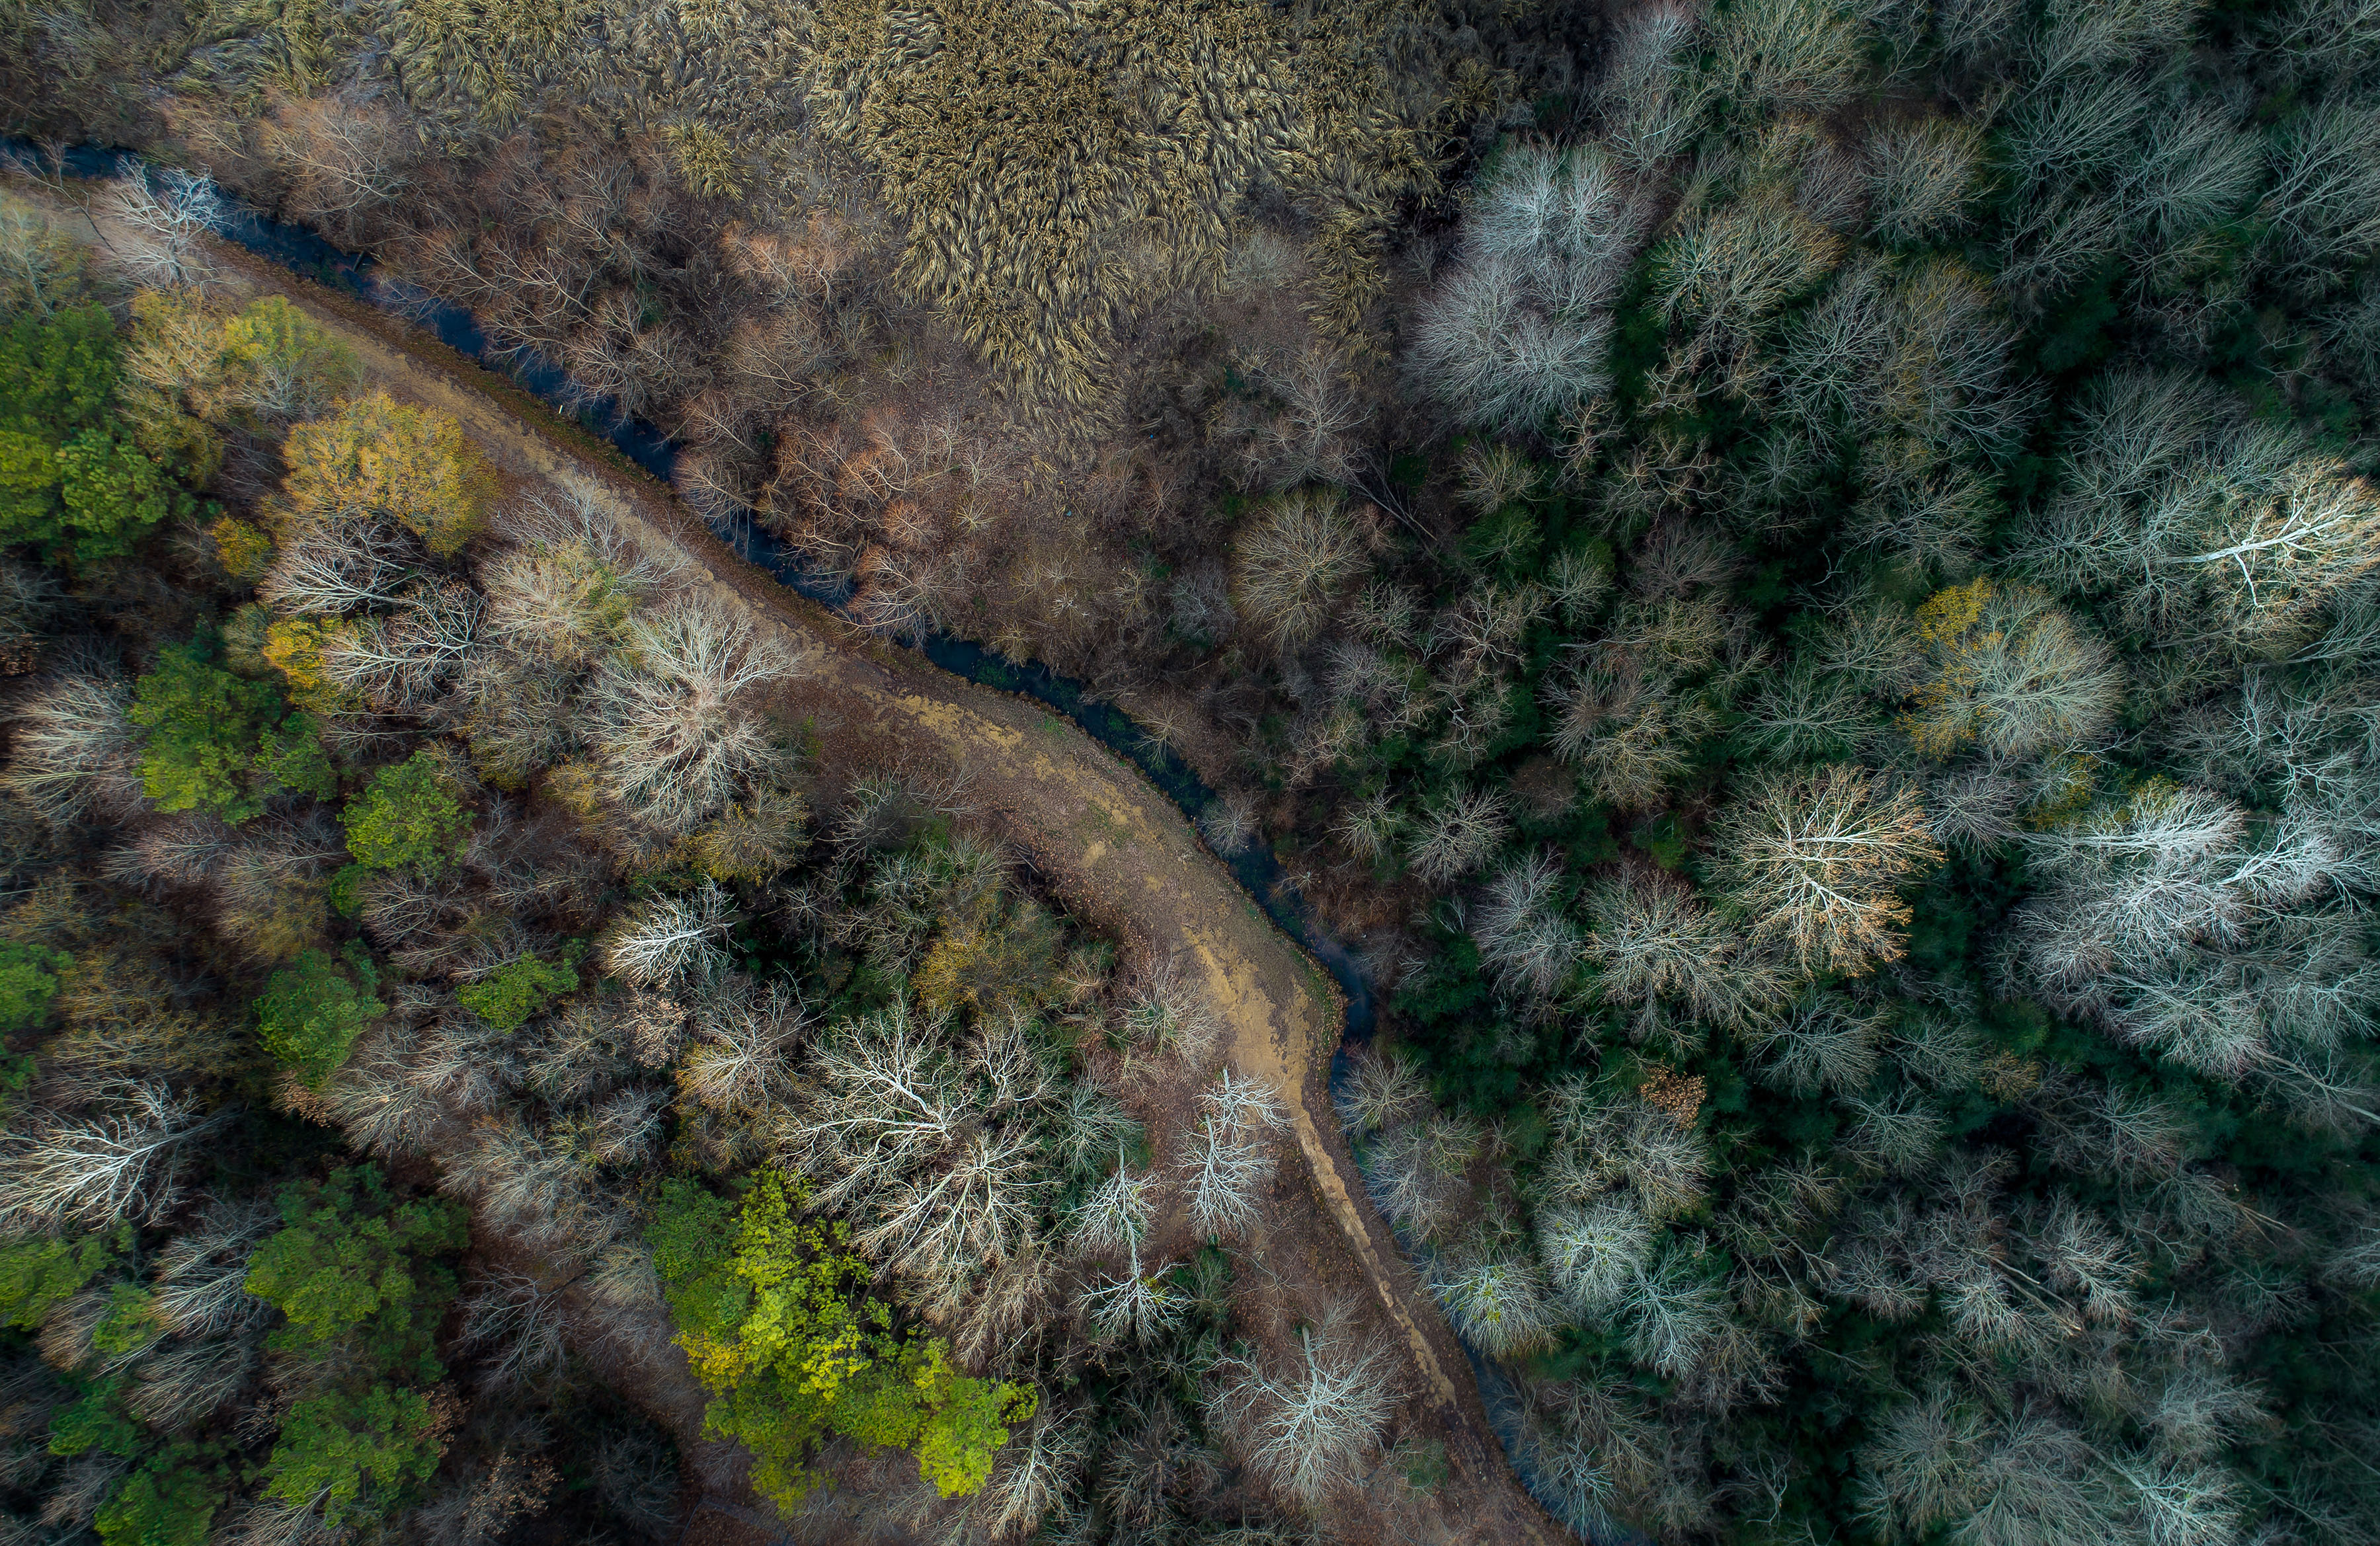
935,1151
1379,1092
677,732
1826,1042
2009,671
1517,332
1458,835
173,211
400,661
740,1061
1416,1174
1654,947
1117,1213
1170,1015
671,938
1923,173
344,564
342,159
190,1381
41,268
95,1172
1817,860
1227,1158
202,1273
1497,1300
1291,559
1137,1303
518,1326
1525,938
2177,924
570,588
1595,1254
1033,1472
1308,1426
71,746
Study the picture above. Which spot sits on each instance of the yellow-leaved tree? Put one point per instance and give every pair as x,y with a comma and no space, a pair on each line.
381,457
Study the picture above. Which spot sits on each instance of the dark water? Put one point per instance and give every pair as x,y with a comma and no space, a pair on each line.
1257,871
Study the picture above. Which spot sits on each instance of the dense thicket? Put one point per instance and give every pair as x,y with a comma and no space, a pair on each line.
436,981
1884,776
1800,570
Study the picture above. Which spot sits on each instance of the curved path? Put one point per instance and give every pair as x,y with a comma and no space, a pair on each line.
1119,851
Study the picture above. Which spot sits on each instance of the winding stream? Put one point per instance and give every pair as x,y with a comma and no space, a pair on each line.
1259,873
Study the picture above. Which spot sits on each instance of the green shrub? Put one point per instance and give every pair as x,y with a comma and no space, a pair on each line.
311,1013
71,479
353,1264
39,1274
774,1313
359,1455
508,996
169,1502
406,818
28,984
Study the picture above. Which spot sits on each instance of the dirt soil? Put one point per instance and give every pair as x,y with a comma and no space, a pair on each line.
1119,852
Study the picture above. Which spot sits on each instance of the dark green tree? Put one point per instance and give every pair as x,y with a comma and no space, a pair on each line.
72,481
218,742
355,1265
311,1013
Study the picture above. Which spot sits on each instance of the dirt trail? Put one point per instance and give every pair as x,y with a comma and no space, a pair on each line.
1115,848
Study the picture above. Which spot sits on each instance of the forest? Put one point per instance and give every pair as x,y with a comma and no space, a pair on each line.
1798,579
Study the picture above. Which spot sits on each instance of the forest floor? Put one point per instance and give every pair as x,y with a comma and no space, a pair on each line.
1117,852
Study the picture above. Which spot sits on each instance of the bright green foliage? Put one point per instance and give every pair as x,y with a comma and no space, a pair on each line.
406,818
352,1263
167,1502
112,494
220,743
361,1454
71,480
511,993
27,982
291,755
129,1324
311,1013
960,1422
774,1313
37,1273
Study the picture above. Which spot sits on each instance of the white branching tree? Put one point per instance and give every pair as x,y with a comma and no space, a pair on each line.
2232,944
745,1037
1655,949
1230,1156
671,938
1818,860
345,564
1517,332
1308,1425
93,1172
171,212
1497,1299
938,1149
71,746
1525,937
678,728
